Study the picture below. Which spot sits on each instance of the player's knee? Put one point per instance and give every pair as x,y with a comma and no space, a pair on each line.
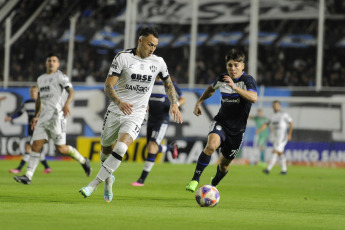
210,148
120,148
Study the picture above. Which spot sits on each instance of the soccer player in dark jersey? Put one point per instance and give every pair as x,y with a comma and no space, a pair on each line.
238,92
157,125
29,107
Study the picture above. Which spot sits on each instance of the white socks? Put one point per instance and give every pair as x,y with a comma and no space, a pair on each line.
32,164
283,163
110,164
73,152
148,166
26,157
273,161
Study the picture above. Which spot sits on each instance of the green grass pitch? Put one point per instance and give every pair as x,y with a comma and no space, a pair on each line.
306,198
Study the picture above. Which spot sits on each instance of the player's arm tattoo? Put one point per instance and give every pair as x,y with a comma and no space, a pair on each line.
109,90
170,90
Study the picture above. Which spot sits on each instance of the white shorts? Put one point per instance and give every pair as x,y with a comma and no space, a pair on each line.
113,124
279,144
54,128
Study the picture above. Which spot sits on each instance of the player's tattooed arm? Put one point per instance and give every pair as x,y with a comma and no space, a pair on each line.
109,85
171,93
109,89
170,90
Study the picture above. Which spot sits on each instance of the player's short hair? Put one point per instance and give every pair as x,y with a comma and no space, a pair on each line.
236,55
276,101
146,31
52,55
33,87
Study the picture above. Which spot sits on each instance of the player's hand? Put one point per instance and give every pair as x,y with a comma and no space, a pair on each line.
8,119
174,110
33,123
125,107
229,81
197,110
66,110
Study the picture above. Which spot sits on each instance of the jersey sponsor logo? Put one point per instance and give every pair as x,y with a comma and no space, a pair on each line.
153,68
45,89
138,88
141,78
225,100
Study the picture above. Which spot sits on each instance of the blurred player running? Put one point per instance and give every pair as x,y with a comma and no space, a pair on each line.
28,107
262,137
157,125
282,133
50,119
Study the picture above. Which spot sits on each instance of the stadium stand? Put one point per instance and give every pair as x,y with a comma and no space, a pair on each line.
287,48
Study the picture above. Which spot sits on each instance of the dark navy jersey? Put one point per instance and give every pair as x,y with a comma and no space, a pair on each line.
159,103
27,107
234,111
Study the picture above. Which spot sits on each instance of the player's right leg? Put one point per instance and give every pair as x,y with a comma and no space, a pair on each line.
34,159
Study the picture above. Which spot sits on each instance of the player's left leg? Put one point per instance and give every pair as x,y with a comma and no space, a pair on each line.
212,145
282,160
25,158
222,170
149,163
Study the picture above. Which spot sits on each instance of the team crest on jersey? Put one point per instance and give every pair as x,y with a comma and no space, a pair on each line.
114,64
153,68
218,127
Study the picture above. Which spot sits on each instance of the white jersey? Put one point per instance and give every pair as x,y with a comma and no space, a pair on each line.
136,79
280,122
52,94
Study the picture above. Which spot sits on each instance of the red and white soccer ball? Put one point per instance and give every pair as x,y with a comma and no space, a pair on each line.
207,196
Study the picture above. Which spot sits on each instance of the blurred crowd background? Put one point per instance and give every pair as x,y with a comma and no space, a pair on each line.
99,36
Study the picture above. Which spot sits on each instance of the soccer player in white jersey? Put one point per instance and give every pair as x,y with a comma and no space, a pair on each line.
50,120
282,132
28,107
133,72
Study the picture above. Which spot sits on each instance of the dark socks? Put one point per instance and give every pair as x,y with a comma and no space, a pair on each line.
202,163
218,177
45,164
148,166
21,165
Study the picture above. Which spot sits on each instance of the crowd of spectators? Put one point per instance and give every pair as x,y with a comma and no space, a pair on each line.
277,66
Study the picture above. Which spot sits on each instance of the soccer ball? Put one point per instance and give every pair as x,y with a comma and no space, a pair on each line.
207,196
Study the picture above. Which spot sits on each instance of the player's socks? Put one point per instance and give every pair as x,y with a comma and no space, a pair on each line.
163,148
262,155
149,162
25,159
283,163
45,164
32,164
73,152
272,162
218,177
110,164
202,163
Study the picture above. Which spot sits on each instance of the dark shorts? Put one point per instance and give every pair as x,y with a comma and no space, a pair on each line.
156,132
230,144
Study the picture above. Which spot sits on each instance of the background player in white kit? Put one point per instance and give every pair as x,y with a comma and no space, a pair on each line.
282,132
133,71
28,107
49,120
